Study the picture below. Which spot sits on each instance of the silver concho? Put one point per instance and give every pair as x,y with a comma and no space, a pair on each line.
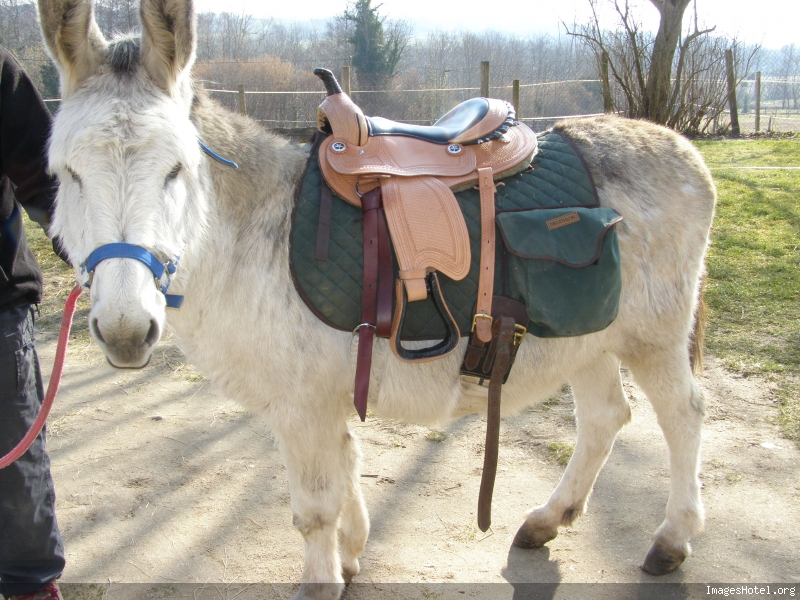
338,146
454,148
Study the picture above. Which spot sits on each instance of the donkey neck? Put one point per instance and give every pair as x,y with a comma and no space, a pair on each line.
237,276
259,194
248,210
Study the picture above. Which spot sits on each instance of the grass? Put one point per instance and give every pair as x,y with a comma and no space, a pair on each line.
753,285
436,436
561,451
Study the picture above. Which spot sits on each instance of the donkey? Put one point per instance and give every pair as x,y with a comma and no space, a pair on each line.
125,148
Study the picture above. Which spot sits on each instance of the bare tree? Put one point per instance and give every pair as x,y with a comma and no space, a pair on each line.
19,27
657,89
790,60
117,16
672,78
643,66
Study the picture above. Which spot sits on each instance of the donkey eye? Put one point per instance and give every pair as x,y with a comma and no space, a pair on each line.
174,173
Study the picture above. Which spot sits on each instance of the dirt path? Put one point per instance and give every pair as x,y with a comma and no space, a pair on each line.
160,479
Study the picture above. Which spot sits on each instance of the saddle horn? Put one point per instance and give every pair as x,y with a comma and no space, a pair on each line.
329,79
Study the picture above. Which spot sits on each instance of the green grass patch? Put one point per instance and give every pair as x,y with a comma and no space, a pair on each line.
562,452
753,285
436,436
750,153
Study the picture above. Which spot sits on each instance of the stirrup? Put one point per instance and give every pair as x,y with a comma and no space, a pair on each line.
443,348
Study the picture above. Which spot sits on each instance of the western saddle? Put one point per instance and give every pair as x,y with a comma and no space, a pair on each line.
405,176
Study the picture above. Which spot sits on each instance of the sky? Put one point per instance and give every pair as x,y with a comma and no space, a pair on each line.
773,23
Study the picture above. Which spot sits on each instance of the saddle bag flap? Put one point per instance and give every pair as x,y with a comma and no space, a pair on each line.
563,263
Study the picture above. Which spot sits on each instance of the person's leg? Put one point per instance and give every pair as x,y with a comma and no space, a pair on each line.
31,550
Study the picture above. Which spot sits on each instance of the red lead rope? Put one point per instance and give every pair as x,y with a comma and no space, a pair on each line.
55,381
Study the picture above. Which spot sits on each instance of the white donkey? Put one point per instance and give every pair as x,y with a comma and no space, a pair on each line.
125,148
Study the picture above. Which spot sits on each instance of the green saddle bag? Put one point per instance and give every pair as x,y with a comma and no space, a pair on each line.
563,264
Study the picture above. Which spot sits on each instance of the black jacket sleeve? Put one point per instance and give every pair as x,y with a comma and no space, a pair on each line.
25,126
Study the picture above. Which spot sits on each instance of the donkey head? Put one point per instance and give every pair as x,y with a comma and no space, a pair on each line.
128,160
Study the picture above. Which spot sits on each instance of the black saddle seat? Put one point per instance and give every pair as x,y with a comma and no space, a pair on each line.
445,130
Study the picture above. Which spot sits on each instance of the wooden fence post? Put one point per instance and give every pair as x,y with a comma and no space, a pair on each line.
732,93
485,78
346,79
608,105
758,101
515,97
242,104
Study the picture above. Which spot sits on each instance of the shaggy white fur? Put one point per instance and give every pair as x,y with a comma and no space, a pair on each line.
125,147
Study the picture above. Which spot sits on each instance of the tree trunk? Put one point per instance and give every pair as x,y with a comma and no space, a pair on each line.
656,101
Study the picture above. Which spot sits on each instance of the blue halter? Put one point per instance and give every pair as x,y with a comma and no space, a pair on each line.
161,271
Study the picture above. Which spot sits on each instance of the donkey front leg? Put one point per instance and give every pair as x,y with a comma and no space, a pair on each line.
322,461
601,410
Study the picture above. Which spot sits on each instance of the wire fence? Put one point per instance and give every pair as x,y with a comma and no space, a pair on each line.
540,104
286,99
779,106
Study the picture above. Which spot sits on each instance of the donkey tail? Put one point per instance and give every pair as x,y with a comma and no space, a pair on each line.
698,336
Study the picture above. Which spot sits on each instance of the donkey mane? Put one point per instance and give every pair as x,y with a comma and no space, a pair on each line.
124,54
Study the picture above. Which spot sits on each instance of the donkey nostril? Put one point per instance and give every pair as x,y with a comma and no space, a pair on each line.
153,334
96,331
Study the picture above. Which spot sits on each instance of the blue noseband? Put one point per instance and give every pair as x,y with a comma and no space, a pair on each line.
161,271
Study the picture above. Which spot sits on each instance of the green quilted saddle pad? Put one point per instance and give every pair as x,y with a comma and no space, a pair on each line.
332,288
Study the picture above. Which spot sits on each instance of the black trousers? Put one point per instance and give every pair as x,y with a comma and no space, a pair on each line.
31,550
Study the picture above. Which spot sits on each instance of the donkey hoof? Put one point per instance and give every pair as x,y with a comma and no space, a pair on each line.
529,536
319,591
350,569
660,561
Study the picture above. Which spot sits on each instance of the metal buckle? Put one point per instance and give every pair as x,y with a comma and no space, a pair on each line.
519,334
355,331
480,316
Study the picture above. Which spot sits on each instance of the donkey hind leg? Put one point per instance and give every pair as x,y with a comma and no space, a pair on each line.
666,378
601,409
322,464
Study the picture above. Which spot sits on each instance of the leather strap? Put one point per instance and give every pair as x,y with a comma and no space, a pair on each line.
371,204
385,278
324,223
483,311
505,328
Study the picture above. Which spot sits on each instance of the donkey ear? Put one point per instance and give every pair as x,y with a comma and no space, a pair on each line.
73,39
168,39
